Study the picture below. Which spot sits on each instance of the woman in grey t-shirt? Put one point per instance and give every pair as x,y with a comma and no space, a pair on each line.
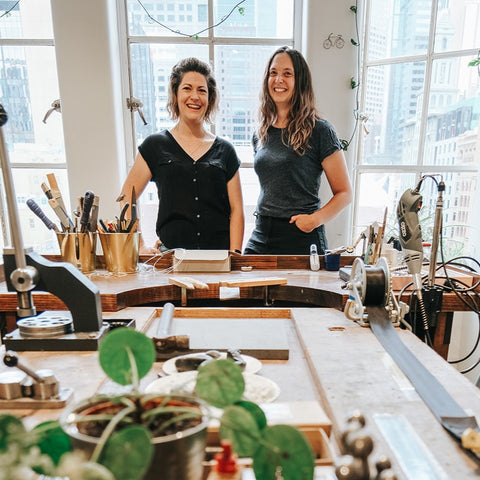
293,147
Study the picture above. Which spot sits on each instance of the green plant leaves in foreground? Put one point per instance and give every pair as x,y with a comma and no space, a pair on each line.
53,442
128,453
115,359
285,447
240,427
220,383
10,426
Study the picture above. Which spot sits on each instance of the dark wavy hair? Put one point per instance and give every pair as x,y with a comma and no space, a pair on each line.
184,66
302,114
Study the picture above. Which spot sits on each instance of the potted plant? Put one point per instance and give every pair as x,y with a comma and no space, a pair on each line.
139,433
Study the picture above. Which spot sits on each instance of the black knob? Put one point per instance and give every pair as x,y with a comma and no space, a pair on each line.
10,359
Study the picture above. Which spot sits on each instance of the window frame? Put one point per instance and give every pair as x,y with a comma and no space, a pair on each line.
210,40
418,168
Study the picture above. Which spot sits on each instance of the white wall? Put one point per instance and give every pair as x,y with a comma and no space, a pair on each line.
332,70
88,69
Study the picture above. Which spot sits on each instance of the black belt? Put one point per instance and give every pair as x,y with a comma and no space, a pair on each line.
450,414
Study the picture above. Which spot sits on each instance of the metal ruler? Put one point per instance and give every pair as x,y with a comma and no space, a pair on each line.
413,456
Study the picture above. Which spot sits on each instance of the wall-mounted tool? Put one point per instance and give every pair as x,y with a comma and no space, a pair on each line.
25,388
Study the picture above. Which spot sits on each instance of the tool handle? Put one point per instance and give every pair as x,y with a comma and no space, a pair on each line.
33,206
87,206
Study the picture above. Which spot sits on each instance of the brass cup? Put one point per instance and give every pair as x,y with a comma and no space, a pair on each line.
121,251
78,249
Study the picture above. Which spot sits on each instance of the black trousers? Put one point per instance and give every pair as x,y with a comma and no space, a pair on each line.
276,236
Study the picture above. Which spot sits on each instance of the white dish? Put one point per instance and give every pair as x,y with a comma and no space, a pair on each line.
258,389
253,365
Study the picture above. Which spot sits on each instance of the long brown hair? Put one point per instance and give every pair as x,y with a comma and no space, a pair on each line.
184,66
302,114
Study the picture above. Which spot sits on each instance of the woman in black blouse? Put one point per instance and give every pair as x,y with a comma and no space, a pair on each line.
196,173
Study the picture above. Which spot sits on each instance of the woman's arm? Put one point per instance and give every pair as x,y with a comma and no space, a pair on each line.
335,169
138,178
237,220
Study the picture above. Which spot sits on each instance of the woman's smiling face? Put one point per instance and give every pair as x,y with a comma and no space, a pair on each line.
281,79
192,96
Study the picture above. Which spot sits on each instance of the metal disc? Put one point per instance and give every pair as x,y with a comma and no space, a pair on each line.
45,326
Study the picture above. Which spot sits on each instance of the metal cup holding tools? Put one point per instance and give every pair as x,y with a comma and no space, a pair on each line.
121,251
79,249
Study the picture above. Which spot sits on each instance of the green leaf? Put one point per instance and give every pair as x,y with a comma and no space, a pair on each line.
128,453
220,383
9,426
286,447
239,426
114,354
53,441
241,10
354,42
257,413
353,8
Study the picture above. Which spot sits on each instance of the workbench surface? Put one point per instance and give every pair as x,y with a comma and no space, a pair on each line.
332,360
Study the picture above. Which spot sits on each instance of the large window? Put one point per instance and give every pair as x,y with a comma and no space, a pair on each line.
236,38
422,100
28,87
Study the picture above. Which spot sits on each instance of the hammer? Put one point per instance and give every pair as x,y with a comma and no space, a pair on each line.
163,340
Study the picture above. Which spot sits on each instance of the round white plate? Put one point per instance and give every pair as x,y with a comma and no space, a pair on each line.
257,389
253,365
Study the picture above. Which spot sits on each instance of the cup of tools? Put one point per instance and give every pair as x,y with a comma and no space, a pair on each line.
78,249
121,251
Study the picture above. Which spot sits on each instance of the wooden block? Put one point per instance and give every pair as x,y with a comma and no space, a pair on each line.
254,282
196,283
181,282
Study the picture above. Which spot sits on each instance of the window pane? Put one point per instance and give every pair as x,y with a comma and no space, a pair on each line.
239,93
378,191
27,19
458,212
151,67
28,86
167,18
398,28
252,22
454,114
250,191
28,185
458,25
393,105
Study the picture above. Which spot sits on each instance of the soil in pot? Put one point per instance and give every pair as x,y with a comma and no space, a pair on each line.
178,451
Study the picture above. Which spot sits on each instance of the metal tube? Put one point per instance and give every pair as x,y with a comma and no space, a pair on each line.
10,195
437,231
25,274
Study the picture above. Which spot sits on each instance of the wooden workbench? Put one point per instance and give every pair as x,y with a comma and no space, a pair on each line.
151,286
332,360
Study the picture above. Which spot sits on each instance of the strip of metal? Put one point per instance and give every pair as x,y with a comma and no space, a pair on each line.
413,456
451,415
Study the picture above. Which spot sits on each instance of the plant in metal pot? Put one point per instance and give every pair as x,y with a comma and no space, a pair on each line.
136,435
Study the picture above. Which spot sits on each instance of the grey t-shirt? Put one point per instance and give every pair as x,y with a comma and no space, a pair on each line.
289,182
